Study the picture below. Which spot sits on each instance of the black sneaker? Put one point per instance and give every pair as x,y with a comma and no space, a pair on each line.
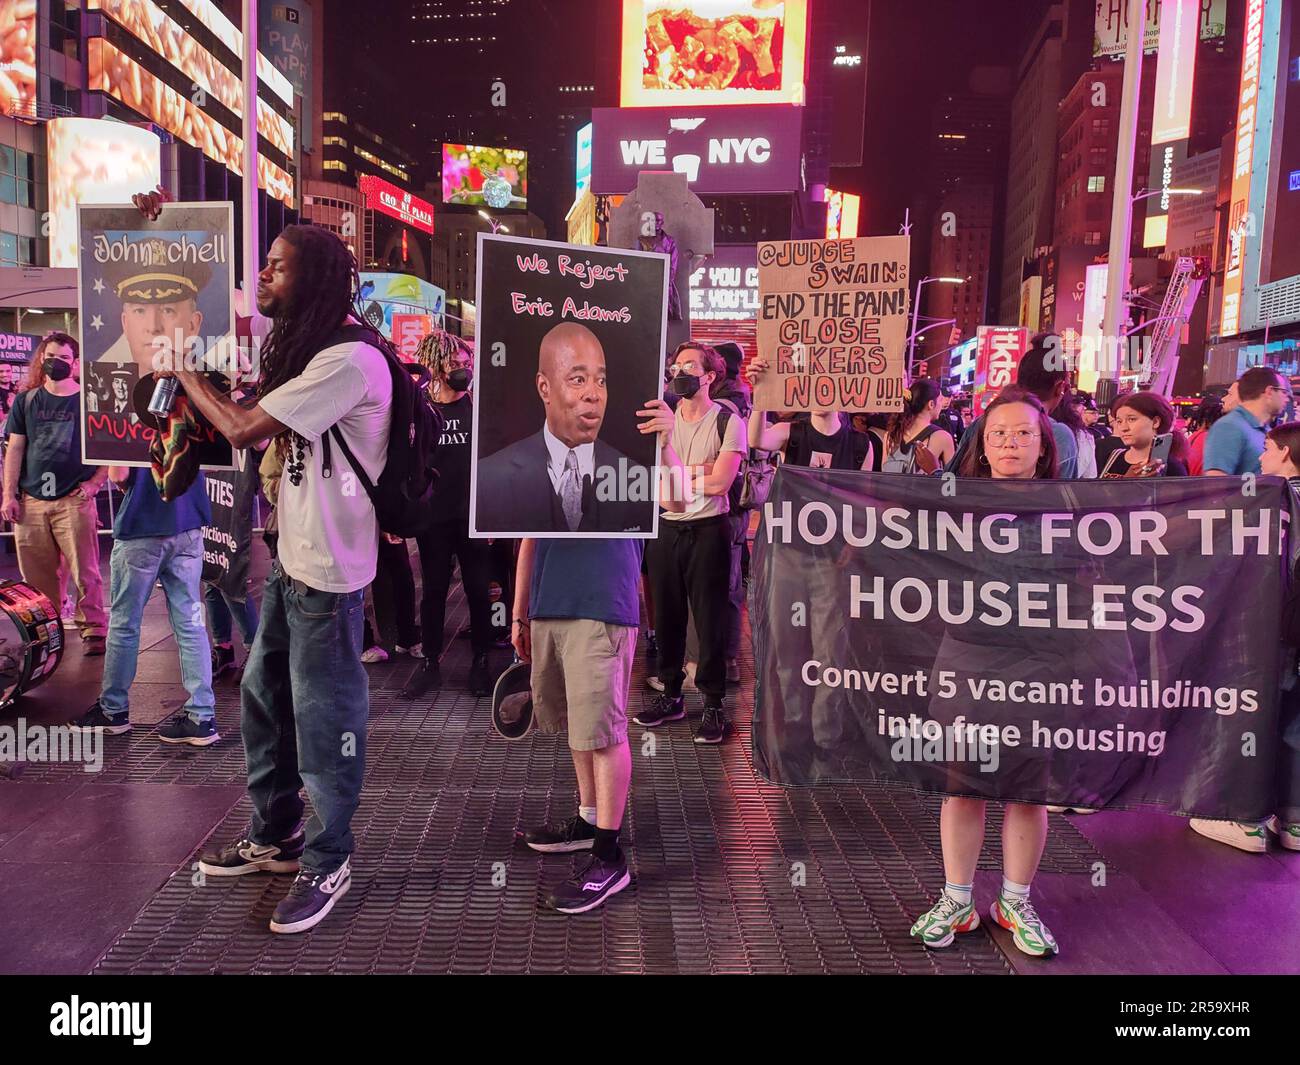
223,659
572,835
182,728
427,678
662,709
591,885
97,719
244,856
714,726
310,899
480,676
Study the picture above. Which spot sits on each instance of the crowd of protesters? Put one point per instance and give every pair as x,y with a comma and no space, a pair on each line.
341,590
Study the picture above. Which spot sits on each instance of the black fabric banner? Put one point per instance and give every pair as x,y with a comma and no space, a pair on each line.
227,542
1075,643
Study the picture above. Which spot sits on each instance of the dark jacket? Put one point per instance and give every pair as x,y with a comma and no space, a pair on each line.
515,498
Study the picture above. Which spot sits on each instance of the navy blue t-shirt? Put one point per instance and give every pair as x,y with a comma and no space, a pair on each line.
594,579
51,426
143,512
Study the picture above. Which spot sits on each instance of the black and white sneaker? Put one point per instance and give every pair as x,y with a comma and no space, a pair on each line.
223,659
662,709
184,729
591,885
572,835
714,726
244,856
97,719
428,678
310,899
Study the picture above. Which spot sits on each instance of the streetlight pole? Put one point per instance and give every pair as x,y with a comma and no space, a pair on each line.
916,312
1121,214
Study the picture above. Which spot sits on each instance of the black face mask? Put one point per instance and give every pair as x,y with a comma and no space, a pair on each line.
460,380
684,385
57,369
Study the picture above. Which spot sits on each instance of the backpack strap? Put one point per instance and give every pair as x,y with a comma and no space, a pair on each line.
724,416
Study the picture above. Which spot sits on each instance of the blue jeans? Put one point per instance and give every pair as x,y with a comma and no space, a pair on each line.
135,566
221,610
305,703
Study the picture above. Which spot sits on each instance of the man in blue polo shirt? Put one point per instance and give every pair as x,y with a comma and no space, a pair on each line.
1232,449
1235,442
577,611
156,541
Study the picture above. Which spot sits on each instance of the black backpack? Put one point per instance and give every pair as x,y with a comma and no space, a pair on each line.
403,497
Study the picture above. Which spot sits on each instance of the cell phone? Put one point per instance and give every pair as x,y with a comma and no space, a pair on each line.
1161,447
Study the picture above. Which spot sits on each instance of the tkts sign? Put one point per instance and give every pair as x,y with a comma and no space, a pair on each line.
999,351
383,196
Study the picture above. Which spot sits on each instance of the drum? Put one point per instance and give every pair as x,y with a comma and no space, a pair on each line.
31,640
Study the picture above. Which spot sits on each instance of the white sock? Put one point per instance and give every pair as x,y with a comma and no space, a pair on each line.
959,892
588,814
1013,891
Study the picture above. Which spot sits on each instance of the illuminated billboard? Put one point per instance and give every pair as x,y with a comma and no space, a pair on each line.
477,176
688,53
233,38
94,161
18,58
582,162
145,21
841,214
1110,36
725,287
113,72
739,150
386,295
385,197
1240,220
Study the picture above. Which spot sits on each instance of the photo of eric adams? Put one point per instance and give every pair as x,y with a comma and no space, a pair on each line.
564,478
568,348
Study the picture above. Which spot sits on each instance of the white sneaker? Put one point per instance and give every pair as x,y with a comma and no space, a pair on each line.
374,654
1244,835
1057,809
1288,834
654,683
416,650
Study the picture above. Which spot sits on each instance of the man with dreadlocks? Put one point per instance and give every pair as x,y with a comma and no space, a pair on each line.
304,694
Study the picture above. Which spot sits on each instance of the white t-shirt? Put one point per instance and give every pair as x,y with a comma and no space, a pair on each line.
329,538
696,444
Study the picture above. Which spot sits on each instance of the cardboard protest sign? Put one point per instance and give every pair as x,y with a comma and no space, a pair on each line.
832,323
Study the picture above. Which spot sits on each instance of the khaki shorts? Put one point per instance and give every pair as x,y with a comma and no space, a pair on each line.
581,674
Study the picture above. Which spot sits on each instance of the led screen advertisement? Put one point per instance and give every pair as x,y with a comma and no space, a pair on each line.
386,297
694,52
166,38
18,57
285,37
721,150
94,161
112,71
478,176
725,286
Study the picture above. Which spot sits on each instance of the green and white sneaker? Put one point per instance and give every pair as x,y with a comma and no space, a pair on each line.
940,925
1027,930
1288,833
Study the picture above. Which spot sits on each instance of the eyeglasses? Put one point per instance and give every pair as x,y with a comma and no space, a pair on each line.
686,367
1285,391
1017,437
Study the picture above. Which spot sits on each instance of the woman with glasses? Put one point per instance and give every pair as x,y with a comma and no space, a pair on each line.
690,562
1015,443
451,364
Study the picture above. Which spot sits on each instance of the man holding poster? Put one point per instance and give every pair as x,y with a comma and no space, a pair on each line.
832,323
570,340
